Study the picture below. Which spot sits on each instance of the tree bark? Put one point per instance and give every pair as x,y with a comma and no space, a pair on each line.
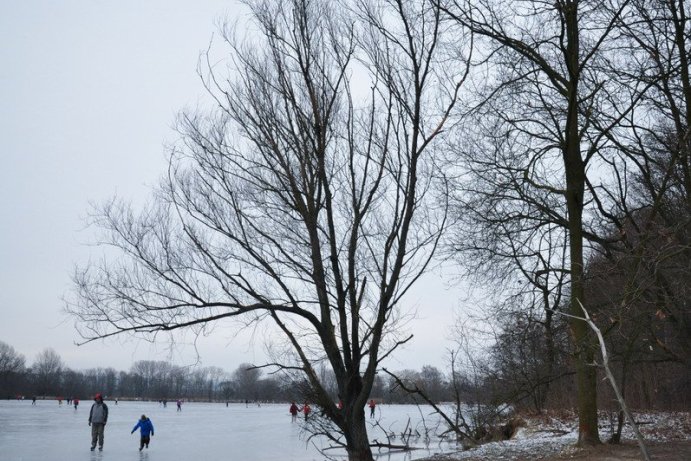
358,446
574,167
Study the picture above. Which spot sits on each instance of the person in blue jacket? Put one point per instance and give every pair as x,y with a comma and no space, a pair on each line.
146,427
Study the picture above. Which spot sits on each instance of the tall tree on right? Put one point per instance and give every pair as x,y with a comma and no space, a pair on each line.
544,120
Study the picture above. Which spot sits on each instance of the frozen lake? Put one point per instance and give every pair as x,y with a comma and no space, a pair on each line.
203,431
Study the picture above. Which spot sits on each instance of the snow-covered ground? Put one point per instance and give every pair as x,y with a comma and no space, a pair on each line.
552,434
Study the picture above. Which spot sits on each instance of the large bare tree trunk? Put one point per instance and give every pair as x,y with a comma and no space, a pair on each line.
574,168
586,375
357,439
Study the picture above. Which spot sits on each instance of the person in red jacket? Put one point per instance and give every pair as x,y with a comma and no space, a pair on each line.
372,406
306,410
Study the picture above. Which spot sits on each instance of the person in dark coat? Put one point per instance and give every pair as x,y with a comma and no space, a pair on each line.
293,412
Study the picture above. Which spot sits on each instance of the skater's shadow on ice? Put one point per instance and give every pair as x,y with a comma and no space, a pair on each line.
98,456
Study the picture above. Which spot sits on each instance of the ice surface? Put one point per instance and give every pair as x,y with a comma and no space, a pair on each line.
201,431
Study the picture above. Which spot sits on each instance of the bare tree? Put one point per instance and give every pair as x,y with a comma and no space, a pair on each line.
246,379
655,221
306,199
152,378
12,364
432,382
11,361
513,247
547,110
645,278
526,358
47,371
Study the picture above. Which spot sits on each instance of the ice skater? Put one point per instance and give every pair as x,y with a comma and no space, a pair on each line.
372,406
293,412
179,402
76,403
98,417
146,428
307,410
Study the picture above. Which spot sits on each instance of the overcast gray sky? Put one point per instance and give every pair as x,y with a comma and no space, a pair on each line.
88,93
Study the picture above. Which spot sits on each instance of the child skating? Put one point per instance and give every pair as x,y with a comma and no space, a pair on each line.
146,428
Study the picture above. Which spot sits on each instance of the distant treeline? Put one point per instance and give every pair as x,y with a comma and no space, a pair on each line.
158,380
511,371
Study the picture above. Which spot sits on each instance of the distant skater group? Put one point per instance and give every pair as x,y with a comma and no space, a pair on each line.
306,409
